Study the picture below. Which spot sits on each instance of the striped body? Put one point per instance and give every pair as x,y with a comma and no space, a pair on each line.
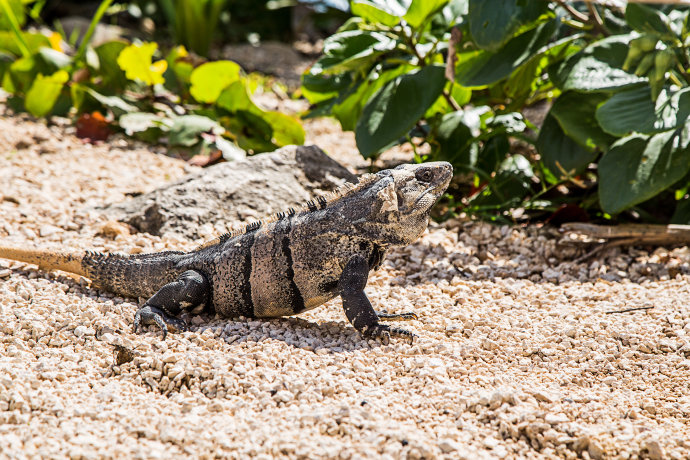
279,268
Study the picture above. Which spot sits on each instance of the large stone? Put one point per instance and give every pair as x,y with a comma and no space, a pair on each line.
221,197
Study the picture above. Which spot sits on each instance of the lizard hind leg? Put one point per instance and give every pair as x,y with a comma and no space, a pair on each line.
189,292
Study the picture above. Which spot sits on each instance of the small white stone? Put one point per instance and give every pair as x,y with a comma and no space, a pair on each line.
447,445
81,331
554,419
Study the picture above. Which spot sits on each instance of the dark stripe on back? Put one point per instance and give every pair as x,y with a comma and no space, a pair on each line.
246,287
294,295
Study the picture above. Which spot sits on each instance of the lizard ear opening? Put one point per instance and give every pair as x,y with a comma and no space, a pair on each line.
388,198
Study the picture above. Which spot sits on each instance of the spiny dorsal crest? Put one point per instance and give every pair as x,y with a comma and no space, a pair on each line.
321,202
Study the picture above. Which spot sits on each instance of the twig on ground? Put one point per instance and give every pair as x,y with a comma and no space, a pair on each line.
629,310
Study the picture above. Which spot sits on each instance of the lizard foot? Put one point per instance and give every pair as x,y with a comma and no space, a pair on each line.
153,315
384,332
385,316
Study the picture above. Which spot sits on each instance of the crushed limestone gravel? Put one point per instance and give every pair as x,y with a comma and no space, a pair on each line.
518,354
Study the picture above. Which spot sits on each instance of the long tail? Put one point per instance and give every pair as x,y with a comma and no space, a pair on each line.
138,275
46,260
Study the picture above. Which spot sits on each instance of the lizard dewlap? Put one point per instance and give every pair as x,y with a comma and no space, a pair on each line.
286,264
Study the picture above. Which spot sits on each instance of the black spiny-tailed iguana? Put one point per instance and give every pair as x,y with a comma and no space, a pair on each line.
281,266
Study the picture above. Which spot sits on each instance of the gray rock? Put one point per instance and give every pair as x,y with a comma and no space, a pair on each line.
226,194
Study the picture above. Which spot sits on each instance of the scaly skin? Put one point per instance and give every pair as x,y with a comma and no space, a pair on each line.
282,266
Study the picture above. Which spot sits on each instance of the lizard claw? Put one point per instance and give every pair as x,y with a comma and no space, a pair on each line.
407,316
153,315
383,332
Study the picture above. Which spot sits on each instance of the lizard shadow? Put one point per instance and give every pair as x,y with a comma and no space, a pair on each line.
334,336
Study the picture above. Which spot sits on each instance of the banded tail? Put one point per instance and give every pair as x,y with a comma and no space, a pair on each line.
139,275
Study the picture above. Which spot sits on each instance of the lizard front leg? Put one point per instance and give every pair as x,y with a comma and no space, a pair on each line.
357,307
189,291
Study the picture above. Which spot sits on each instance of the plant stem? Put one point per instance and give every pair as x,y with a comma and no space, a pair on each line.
14,24
572,11
453,103
92,27
594,16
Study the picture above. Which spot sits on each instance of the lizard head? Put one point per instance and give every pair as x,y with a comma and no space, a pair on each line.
405,196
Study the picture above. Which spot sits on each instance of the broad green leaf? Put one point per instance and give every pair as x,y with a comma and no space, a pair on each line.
235,97
320,87
508,187
598,67
638,167
647,20
454,138
575,113
351,49
493,23
185,130
374,12
492,154
681,216
20,75
108,68
633,110
560,153
349,109
482,68
396,107
136,61
420,10
286,130
210,79
139,122
44,92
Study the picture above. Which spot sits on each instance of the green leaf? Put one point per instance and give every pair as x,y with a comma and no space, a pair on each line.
508,187
633,110
647,20
597,67
638,167
396,107
493,23
136,61
44,92
235,97
482,68
454,138
185,130
575,113
108,68
376,12
20,75
286,130
210,79
349,109
351,49
320,87
560,153
420,10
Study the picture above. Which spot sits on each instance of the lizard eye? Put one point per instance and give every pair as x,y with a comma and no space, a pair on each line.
424,175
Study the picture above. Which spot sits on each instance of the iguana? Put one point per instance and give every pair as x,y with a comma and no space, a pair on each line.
289,263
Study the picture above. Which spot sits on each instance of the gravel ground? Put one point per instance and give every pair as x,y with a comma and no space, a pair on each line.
518,354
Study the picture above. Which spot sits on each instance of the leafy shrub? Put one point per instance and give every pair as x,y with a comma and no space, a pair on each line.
455,76
174,96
